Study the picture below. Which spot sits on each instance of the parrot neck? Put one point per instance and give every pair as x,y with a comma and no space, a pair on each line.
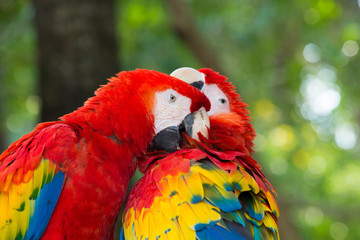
230,131
124,124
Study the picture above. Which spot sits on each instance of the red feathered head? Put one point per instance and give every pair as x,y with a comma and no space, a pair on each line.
229,117
134,106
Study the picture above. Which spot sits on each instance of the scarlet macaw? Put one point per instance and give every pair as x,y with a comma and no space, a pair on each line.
67,179
211,189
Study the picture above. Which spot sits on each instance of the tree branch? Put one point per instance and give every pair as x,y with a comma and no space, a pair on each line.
184,27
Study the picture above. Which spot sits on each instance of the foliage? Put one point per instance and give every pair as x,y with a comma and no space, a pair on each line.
19,103
294,62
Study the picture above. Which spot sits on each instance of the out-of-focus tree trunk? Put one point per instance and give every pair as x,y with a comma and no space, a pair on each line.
77,51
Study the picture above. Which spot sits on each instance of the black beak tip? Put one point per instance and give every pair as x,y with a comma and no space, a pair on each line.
198,84
167,139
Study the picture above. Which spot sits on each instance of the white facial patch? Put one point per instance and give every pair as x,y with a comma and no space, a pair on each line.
170,109
219,101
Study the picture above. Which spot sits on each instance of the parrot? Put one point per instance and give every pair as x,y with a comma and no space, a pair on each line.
68,178
211,188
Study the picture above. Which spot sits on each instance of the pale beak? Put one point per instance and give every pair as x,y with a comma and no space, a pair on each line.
197,122
190,76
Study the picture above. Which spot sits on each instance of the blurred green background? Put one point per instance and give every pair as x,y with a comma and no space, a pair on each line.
296,63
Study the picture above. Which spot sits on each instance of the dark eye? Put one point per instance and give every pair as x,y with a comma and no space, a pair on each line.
172,98
222,100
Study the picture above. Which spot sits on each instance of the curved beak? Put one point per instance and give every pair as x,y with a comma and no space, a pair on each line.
197,122
190,76
169,139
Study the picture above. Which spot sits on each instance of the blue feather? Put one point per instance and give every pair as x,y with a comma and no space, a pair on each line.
253,206
226,201
44,206
122,237
215,232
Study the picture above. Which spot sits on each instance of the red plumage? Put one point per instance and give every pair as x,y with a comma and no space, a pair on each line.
231,131
97,147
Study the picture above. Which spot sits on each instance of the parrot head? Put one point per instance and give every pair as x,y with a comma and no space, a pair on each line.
228,114
137,107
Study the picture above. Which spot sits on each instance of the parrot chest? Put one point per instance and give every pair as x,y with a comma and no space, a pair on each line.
94,189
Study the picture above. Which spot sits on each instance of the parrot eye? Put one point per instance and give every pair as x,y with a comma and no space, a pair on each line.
222,100
172,98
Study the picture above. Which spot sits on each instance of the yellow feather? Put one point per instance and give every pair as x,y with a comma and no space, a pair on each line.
145,224
20,189
170,212
237,179
162,223
24,219
273,205
185,232
51,171
187,215
139,224
128,220
38,177
14,198
184,190
257,223
15,205
46,164
251,181
206,212
211,177
151,222
174,232
173,183
269,221
194,184
4,205
163,186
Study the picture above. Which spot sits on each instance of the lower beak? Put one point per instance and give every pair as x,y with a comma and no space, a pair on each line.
194,124
168,139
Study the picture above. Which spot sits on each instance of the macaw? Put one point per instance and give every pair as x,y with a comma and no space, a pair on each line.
67,179
211,188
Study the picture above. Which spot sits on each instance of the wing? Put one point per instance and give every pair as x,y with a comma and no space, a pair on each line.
188,196
31,180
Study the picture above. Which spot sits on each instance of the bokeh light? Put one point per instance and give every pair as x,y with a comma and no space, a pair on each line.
346,136
312,53
338,231
313,216
321,96
350,48
283,136
311,16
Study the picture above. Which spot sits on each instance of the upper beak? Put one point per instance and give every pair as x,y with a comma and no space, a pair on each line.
169,139
197,122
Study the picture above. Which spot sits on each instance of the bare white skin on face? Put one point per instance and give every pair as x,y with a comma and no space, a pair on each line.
170,109
219,101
